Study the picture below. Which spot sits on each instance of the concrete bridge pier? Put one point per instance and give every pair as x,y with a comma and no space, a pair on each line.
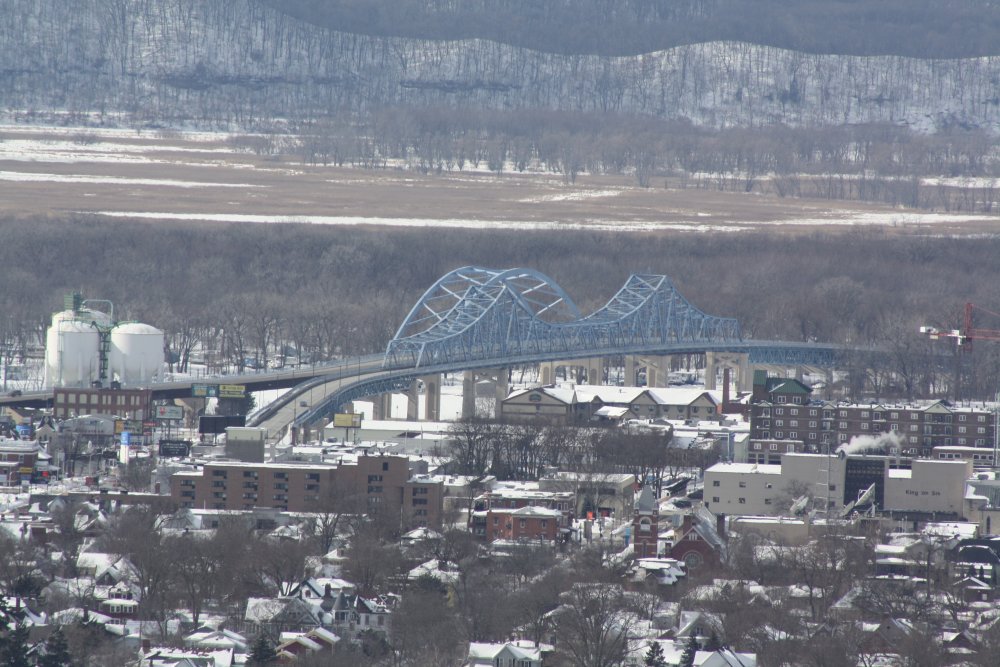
735,361
382,406
657,369
432,398
500,377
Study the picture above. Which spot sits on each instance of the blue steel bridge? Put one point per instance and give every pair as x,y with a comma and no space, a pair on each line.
476,318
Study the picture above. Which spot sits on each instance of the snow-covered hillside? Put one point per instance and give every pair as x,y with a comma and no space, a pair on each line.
235,61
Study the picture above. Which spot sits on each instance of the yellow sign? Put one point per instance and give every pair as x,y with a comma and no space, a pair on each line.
119,426
232,390
347,420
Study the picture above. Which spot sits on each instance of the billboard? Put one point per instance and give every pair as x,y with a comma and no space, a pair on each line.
169,412
347,420
216,424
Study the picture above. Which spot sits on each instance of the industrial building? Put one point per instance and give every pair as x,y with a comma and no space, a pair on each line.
86,347
841,484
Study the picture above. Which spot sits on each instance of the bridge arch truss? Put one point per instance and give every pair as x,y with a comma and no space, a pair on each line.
476,314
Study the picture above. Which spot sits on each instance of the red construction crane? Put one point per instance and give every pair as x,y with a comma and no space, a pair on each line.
964,337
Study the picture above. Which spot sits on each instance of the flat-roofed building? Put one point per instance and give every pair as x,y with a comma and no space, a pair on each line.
362,483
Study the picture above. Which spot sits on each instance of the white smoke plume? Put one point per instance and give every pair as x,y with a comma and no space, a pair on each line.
871,443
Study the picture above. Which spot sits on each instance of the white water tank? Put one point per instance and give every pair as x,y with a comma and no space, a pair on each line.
136,355
72,348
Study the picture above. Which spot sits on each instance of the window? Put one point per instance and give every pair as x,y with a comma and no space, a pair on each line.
814,413
774,447
812,436
280,475
715,499
743,485
782,399
793,423
842,425
374,478
715,482
281,486
219,473
374,489
797,400
767,501
385,466
793,412
865,414
779,411
864,426
742,501
812,424
962,418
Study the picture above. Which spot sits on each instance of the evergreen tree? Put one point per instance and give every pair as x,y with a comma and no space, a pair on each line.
654,656
687,658
262,652
14,652
56,651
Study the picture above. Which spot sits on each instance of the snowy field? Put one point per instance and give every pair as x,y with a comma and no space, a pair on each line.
188,177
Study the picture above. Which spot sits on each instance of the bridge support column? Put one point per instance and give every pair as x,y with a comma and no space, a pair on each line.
547,372
432,397
630,369
413,402
382,406
469,394
500,378
737,361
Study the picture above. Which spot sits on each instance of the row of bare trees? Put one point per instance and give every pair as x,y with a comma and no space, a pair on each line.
259,291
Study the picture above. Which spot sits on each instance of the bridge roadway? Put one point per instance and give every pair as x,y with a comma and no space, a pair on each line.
326,387
322,396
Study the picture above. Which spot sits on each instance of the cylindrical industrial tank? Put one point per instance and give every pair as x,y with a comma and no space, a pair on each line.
136,353
72,348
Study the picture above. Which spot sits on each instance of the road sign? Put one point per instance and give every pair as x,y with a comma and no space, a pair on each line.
204,390
232,390
169,412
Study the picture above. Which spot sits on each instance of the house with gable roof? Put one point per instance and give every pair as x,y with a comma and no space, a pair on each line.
503,655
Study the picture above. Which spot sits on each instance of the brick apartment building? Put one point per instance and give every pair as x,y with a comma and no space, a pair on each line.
492,511
782,410
525,523
125,403
361,484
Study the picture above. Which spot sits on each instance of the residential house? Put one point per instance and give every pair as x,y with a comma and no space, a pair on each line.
503,655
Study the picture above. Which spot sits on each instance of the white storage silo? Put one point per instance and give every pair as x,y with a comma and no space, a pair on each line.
72,346
136,355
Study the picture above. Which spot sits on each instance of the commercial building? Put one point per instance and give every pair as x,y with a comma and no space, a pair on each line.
359,484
